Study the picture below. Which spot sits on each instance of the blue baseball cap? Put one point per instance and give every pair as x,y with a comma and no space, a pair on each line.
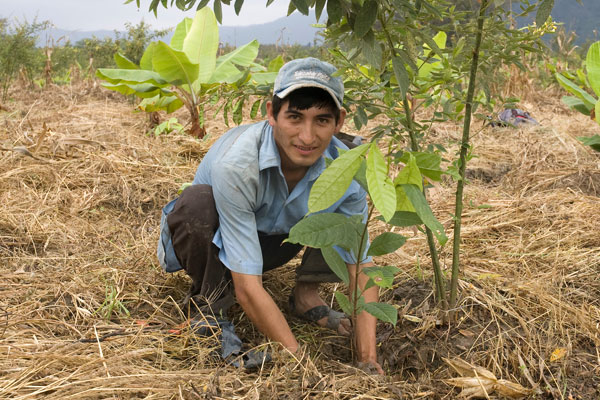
309,72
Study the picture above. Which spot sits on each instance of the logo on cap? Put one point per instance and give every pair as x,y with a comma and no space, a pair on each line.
308,74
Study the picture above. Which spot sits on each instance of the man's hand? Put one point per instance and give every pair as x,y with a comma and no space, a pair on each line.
365,330
371,368
262,310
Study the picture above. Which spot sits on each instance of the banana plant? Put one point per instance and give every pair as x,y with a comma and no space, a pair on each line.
581,100
187,72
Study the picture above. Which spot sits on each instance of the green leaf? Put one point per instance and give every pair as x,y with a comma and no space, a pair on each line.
201,5
181,31
275,64
264,78
242,56
429,164
334,11
381,188
386,243
116,76
319,6
336,263
173,65
158,103
432,44
238,6
405,218
572,88
124,62
343,301
326,229
432,9
143,90
576,104
237,112
403,203
361,175
405,58
154,6
372,49
543,12
382,311
254,109
401,75
146,61
225,71
335,180
218,11
291,8
592,141
121,88
382,276
301,6
410,174
202,42
592,66
440,39
416,197
362,116
365,18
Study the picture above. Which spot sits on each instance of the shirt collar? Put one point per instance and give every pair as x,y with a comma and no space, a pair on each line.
268,155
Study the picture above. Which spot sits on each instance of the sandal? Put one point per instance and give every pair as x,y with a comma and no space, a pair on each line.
334,318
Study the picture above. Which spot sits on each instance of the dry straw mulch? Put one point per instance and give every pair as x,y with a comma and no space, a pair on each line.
81,188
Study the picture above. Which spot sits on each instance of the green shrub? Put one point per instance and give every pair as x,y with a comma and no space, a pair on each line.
18,51
580,86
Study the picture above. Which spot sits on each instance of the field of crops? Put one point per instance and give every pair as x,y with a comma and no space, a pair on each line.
86,312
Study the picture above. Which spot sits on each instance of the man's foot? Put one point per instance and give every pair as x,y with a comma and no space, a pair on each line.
306,303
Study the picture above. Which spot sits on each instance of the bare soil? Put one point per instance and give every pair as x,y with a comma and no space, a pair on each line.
87,313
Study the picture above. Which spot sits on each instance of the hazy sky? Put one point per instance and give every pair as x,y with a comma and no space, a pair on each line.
87,15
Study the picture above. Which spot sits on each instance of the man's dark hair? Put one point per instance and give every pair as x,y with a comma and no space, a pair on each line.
305,98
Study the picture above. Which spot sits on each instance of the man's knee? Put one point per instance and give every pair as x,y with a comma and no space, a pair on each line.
194,211
314,268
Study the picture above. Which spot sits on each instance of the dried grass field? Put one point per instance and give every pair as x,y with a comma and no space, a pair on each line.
81,189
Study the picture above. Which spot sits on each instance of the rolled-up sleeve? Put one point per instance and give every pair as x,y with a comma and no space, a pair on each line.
234,191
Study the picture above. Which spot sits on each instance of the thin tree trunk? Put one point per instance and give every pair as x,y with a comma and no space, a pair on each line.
440,283
464,148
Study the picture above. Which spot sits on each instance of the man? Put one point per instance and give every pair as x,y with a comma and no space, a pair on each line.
249,190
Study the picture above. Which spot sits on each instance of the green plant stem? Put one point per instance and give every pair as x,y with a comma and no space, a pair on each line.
440,284
355,295
464,148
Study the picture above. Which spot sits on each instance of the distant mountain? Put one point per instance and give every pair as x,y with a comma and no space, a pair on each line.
295,29
583,19
72,36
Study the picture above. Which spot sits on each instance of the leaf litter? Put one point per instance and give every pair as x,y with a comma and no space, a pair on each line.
80,224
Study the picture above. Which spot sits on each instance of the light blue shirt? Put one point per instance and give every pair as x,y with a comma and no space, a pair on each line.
251,194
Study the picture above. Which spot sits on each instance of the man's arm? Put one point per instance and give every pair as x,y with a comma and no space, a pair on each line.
366,324
262,310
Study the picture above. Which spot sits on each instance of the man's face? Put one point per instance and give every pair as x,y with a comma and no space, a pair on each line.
302,135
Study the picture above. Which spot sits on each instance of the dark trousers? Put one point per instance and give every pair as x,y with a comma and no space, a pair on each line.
193,223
